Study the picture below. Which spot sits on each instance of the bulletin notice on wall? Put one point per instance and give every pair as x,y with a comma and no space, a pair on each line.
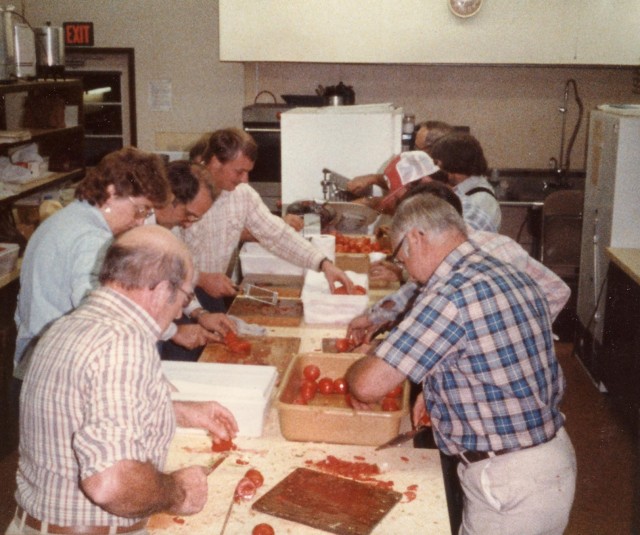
160,95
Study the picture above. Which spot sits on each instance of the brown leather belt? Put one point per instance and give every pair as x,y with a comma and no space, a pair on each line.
36,524
469,457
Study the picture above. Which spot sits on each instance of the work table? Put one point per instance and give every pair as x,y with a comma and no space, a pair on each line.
416,473
626,259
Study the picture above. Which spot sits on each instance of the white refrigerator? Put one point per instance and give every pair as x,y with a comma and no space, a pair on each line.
611,215
349,140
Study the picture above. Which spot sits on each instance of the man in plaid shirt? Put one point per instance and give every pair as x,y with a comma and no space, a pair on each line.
478,338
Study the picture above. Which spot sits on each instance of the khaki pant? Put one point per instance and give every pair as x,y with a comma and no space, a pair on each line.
528,492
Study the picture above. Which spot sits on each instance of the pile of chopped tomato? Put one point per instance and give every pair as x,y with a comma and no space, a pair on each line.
237,345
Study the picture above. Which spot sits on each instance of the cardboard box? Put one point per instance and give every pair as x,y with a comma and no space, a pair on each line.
256,260
336,423
244,389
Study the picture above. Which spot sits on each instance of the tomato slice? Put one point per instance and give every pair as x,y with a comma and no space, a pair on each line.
245,490
223,445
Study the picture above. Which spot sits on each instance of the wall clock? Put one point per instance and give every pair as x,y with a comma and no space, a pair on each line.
464,8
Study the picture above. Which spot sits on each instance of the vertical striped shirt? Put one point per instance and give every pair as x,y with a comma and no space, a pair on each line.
94,395
478,338
213,240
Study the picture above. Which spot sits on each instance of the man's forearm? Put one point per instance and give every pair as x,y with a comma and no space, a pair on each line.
133,489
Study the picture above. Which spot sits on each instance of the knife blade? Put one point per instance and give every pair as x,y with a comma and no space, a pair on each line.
403,437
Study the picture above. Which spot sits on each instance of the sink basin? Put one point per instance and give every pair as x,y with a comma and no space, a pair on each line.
533,186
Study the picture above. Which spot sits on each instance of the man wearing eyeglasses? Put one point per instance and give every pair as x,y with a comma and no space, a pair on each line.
193,195
96,411
478,339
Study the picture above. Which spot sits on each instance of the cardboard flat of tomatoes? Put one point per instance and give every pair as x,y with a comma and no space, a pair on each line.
328,418
286,313
265,351
327,502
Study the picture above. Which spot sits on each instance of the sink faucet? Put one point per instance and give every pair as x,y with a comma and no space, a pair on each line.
562,165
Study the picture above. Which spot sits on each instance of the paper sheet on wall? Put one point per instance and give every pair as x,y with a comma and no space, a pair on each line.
160,95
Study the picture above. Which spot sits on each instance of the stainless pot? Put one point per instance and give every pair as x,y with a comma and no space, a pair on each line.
50,51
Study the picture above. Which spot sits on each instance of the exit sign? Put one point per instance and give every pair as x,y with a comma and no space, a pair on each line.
78,33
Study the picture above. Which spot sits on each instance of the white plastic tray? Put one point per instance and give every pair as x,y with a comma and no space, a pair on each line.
244,389
321,306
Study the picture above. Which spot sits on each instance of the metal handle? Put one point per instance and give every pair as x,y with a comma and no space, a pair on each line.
270,130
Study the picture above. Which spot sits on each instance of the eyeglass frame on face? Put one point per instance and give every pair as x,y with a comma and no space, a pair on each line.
190,296
393,257
142,212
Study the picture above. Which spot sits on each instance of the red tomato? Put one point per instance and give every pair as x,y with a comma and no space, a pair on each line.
255,476
263,529
237,345
390,405
340,290
245,490
340,386
311,372
396,392
308,389
359,290
299,400
347,399
343,345
325,385
224,445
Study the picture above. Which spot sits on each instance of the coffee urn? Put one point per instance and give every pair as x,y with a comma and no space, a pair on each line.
50,51
7,46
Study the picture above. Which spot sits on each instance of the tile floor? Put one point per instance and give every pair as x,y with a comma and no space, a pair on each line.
605,449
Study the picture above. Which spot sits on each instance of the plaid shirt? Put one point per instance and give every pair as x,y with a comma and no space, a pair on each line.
214,238
479,339
94,395
477,218
483,201
504,248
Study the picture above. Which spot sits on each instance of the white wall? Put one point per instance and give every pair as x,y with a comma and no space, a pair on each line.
174,40
424,31
513,110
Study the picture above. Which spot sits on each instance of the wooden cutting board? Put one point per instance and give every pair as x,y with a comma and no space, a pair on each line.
331,503
287,286
265,350
286,313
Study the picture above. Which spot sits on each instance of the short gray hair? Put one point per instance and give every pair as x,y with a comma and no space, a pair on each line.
429,214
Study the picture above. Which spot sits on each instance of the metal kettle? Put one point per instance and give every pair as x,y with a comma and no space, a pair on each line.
337,95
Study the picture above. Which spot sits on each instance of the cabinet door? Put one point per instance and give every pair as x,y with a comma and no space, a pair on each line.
620,365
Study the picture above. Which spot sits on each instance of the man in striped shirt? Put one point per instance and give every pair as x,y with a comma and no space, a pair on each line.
478,338
96,416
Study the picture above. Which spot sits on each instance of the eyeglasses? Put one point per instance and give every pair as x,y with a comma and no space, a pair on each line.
189,296
191,217
142,211
393,256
